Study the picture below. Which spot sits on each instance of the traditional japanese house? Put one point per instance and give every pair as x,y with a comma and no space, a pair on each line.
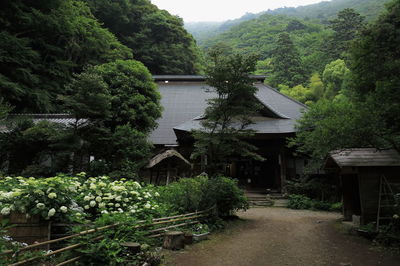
184,99
370,178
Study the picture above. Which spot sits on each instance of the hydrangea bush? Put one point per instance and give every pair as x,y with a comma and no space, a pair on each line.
64,198
102,195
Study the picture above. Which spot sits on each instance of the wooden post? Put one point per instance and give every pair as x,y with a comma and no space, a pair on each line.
282,162
168,174
174,240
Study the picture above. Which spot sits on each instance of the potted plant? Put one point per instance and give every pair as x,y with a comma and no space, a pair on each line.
200,232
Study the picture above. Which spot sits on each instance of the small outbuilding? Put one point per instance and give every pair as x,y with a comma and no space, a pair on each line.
166,166
369,178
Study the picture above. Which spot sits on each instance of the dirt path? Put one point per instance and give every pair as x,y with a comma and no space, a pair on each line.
279,236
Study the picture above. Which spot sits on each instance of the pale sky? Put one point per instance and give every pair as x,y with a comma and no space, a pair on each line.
220,10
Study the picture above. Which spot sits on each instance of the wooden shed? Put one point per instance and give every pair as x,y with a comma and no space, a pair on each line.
369,178
166,166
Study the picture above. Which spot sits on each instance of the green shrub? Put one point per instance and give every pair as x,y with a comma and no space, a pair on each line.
185,195
321,205
337,206
199,193
299,202
319,188
227,195
304,202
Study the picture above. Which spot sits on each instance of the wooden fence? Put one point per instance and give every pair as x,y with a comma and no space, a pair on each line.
174,221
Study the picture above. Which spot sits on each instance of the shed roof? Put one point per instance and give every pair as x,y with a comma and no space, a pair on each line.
363,157
184,100
165,155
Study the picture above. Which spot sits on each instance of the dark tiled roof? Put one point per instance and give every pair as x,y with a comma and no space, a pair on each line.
184,100
64,119
168,78
363,157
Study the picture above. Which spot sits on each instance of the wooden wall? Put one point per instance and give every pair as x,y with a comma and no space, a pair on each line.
369,181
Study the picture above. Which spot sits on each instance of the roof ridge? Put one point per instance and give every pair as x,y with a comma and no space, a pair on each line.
290,98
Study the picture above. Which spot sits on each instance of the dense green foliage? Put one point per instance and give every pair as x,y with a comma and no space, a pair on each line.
115,106
287,68
200,193
102,201
322,12
261,35
345,28
303,202
157,39
228,115
366,112
327,10
42,44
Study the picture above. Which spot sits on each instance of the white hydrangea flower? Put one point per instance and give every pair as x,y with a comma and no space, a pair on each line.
93,186
52,195
92,203
119,198
117,205
63,209
40,206
86,198
147,205
5,211
51,212
86,207
135,193
157,194
102,205
104,211
98,199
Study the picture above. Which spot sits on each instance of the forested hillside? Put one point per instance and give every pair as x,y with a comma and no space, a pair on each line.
202,31
260,35
328,9
301,57
322,12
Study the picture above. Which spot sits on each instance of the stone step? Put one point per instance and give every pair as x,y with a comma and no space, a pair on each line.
281,202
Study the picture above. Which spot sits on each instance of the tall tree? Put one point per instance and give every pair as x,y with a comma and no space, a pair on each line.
42,43
287,68
334,77
228,115
345,28
375,67
122,103
157,38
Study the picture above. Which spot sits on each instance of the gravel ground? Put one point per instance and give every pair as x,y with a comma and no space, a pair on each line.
280,236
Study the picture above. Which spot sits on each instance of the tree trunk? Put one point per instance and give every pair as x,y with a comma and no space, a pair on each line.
174,240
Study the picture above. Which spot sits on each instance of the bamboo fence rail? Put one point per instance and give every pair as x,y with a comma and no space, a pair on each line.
196,216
